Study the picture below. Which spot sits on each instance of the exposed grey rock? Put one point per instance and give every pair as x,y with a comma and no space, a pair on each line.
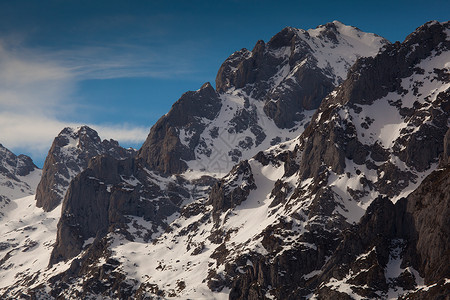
330,142
68,156
414,231
99,200
18,175
163,151
232,189
429,208
290,74
445,156
396,61
308,193
12,165
303,89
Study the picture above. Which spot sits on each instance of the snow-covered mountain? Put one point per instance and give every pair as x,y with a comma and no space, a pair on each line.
333,186
19,177
262,97
28,227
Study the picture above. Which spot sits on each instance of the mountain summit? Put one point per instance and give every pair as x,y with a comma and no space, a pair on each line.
68,156
262,97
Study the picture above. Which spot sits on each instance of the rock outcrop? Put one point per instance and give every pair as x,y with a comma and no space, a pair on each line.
233,189
402,245
344,160
18,176
102,198
166,148
68,156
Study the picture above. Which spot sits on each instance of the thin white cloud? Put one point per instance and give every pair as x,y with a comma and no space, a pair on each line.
35,133
36,95
120,61
123,133
31,86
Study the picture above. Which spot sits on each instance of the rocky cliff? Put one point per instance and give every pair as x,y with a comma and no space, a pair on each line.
262,97
68,156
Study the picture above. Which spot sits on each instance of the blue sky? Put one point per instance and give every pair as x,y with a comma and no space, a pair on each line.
119,65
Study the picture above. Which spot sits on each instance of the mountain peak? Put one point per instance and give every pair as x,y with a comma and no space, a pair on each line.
431,30
206,85
68,156
18,176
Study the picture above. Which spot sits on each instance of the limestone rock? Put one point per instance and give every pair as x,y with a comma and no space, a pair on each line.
69,154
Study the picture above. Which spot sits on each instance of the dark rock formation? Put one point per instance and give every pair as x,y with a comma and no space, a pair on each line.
313,217
291,73
304,88
332,140
445,156
414,231
68,156
429,208
233,189
304,92
373,77
99,199
163,150
16,176
12,165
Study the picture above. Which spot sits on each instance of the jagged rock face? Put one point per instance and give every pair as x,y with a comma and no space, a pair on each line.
366,251
18,176
445,156
101,200
397,61
263,97
165,149
232,189
379,141
394,247
68,156
296,69
12,165
429,208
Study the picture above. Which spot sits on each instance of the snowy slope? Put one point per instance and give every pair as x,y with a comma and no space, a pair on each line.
299,215
27,237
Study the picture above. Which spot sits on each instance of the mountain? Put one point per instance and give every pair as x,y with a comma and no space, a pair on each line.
29,226
379,134
18,176
348,201
262,97
68,156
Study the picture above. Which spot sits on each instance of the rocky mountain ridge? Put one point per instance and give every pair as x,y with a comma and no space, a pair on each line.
355,206
18,176
262,97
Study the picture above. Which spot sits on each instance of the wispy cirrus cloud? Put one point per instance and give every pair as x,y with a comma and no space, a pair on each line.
121,61
36,132
37,93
